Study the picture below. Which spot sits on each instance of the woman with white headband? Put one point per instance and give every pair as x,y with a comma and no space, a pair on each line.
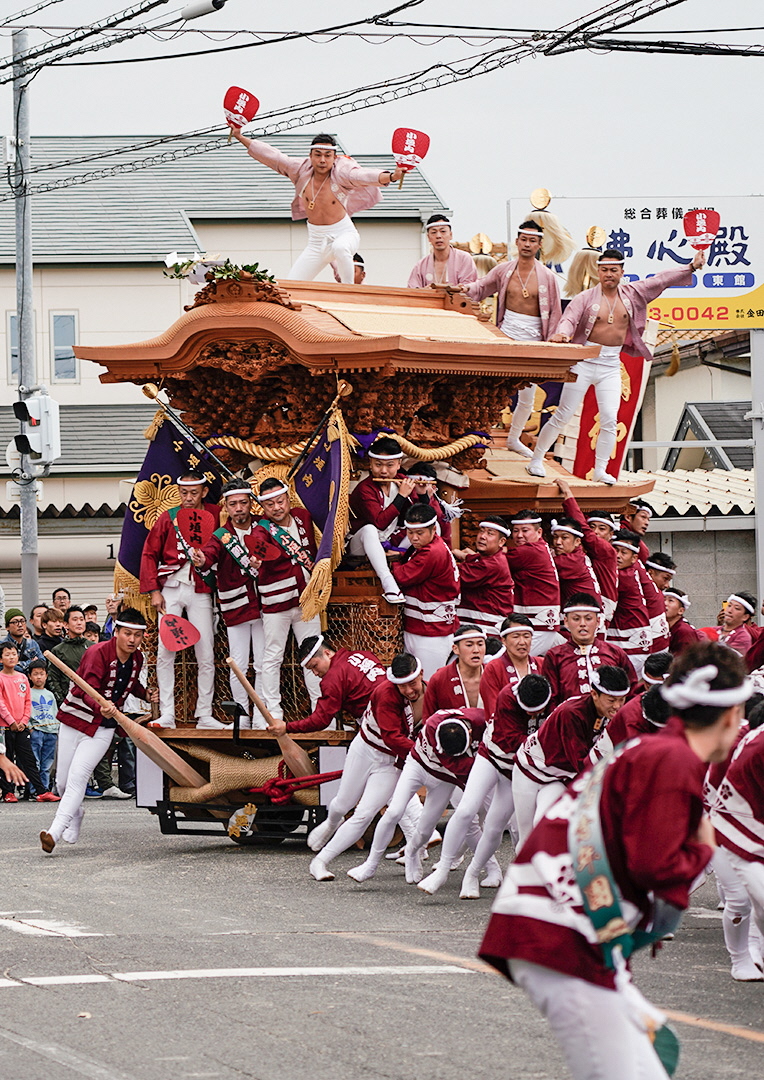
630,626
439,761
373,765
112,668
739,610
329,188
621,850
552,756
518,713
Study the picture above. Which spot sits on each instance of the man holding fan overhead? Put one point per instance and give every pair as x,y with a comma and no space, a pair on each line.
329,189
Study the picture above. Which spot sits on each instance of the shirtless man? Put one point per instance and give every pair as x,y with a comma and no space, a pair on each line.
328,191
528,310
445,265
611,315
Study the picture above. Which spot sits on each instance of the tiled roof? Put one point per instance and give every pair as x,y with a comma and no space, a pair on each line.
141,216
700,491
94,438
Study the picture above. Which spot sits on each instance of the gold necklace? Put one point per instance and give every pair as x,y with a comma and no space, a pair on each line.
312,202
611,317
524,284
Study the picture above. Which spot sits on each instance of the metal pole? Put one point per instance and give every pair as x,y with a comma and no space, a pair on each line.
25,321
756,415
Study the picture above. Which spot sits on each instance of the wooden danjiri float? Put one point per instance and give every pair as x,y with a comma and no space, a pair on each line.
261,371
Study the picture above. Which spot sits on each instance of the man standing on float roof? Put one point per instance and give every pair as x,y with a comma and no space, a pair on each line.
611,315
445,265
329,189
529,309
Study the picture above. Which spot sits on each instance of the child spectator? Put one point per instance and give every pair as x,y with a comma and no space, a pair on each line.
43,723
15,711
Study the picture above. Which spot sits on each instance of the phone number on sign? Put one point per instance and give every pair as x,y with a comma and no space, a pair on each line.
691,313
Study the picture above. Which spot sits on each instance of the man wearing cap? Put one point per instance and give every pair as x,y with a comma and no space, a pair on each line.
630,627
457,684
373,764
376,505
571,667
637,519
537,585
552,756
176,588
529,309
429,581
439,761
518,714
488,592
232,555
27,648
596,530
347,680
513,664
86,729
681,633
612,315
445,265
287,557
329,189
739,609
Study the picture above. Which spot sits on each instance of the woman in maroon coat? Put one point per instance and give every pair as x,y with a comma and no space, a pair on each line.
648,809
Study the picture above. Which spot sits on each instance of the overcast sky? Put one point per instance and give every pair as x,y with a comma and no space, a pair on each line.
582,124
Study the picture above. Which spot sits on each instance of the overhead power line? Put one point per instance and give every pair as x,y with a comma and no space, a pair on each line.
10,19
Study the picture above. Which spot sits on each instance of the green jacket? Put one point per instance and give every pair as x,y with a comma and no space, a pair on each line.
71,652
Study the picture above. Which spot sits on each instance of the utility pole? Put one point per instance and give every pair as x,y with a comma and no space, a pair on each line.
25,320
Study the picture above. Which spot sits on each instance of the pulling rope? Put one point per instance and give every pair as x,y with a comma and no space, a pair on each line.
282,453
280,791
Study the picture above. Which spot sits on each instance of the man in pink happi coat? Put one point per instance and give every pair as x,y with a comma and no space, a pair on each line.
528,298
445,265
612,315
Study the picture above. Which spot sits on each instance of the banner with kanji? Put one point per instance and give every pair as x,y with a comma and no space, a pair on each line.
169,454
323,484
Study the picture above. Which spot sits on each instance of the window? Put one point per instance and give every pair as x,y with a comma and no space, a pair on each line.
63,332
13,349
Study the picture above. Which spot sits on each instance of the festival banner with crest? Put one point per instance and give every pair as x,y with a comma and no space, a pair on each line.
169,454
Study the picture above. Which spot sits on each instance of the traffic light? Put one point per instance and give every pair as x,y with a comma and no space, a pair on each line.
41,438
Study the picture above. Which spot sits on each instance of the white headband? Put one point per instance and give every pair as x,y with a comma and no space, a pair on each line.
422,524
272,493
696,690
741,601
322,146
516,628
683,599
566,528
313,651
403,679
597,685
609,261
657,566
130,625
239,491
581,607
625,544
602,520
531,232
526,521
653,682
495,525
536,708
452,720
191,483
436,225
386,457
464,635
643,507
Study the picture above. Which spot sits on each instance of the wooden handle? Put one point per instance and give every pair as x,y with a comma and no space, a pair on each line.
297,761
146,741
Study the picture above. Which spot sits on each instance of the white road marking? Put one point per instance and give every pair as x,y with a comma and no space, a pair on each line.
234,973
705,913
46,928
62,1055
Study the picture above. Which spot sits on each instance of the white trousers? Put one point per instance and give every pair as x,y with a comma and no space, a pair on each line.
411,779
544,640
522,328
598,1035
484,781
328,243
276,627
736,919
432,652
181,599
531,801
245,640
368,780
367,542
78,755
606,380
751,874
638,662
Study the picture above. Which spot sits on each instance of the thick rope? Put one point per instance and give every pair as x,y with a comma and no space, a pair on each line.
265,453
280,791
437,453
282,453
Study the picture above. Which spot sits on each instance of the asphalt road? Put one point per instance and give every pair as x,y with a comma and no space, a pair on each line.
148,957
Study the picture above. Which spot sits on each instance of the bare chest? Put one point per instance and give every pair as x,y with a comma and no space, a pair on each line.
522,292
